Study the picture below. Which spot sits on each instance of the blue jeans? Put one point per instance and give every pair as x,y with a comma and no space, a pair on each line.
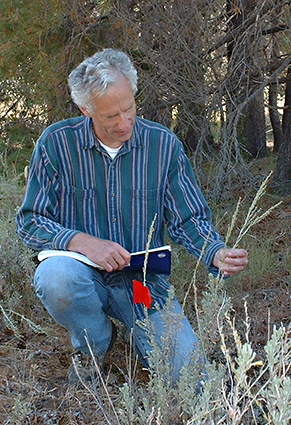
80,298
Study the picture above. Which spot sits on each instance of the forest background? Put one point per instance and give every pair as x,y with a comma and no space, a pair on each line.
218,74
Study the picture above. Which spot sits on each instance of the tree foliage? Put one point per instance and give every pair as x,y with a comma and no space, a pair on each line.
204,69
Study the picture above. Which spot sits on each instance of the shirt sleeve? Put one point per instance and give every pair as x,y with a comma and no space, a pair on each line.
37,218
187,213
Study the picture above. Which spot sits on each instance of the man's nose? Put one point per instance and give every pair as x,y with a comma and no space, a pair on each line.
124,121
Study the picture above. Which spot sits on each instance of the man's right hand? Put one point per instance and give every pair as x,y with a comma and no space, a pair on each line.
107,254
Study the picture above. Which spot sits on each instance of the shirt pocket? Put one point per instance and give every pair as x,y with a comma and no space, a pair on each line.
145,205
78,209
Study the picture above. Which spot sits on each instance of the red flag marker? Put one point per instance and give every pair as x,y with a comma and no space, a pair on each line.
141,294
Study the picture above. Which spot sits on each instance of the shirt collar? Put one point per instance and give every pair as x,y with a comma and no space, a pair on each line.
90,138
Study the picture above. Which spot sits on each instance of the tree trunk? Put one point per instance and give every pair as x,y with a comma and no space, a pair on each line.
244,74
275,118
255,127
282,177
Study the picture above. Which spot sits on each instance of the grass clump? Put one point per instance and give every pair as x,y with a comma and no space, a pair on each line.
16,263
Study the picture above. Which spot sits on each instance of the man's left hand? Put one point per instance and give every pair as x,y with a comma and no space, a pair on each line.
230,261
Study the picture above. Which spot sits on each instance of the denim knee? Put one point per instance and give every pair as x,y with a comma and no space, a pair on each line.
58,279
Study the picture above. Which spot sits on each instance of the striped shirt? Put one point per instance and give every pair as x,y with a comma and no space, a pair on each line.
75,186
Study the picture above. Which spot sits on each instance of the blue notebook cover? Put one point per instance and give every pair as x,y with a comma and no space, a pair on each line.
159,259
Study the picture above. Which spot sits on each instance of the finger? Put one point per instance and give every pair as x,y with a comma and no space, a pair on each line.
236,253
230,269
116,262
121,261
233,265
108,268
236,261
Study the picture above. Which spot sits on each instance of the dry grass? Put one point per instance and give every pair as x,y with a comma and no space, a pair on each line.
35,352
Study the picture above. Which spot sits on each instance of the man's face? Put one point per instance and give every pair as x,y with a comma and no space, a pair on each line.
114,114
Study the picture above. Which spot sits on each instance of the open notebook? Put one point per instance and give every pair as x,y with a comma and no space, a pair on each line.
159,259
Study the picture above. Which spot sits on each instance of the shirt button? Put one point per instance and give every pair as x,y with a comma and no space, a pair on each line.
112,194
114,219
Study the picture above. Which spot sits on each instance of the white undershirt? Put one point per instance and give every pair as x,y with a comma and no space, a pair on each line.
112,151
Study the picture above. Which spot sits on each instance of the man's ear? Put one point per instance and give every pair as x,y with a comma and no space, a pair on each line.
84,111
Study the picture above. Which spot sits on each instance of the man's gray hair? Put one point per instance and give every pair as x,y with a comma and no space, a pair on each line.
93,76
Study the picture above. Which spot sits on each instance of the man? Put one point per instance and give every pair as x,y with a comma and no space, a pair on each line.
96,183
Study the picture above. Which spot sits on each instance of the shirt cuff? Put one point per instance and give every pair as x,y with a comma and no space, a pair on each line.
209,255
63,238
